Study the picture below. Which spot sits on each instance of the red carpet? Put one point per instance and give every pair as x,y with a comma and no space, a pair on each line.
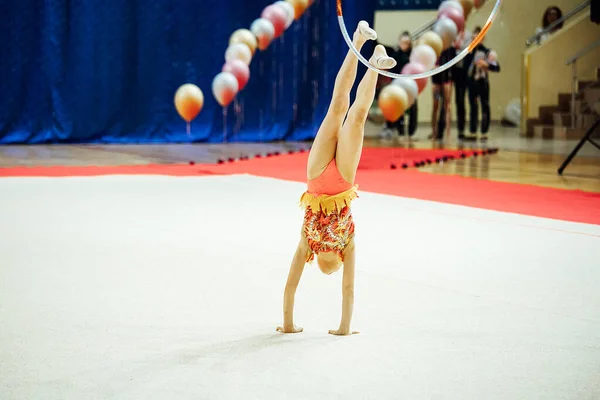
375,175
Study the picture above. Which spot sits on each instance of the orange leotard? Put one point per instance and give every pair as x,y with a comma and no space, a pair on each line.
328,223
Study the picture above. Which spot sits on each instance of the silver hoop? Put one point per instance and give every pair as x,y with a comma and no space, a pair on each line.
427,74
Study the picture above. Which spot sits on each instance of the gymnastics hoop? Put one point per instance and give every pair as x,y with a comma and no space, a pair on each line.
427,74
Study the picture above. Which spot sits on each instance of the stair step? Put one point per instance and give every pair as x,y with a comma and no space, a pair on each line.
550,132
562,119
547,114
544,131
591,95
564,101
582,85
585,121
531,123
582,120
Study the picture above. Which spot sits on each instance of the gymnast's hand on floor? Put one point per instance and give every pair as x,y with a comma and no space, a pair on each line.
289,329
343,332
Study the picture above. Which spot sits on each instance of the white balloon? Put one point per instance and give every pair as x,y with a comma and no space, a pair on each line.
225,87
512,113
410,86
289,11
492,56
453,4
264,31
238,51
447,30
423,54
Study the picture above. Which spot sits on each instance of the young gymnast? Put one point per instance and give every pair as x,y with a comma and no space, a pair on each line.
328,227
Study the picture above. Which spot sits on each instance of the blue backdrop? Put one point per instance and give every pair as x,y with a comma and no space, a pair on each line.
74,71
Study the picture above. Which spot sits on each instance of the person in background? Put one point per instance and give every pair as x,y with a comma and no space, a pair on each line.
402,56
481,61
442,97
460,79
551,15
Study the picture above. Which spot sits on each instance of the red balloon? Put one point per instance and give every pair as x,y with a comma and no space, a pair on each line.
277,16
240,70
415,68
455,15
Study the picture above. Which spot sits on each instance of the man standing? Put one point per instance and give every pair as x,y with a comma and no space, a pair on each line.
482,61
460,77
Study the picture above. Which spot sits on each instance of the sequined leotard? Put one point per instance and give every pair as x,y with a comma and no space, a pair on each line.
328,223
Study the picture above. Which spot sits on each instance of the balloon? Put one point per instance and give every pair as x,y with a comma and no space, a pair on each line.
393,102
410,86
278,18
246,37
455,15
238,51
299,7
451,4
434,41
240,70
467,7
189,100
414,68
289,12
447,30
424,55
264,31
225,88
492,56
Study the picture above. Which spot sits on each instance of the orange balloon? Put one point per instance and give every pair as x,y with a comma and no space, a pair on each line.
189,100
393,102
299,7
433,40
246,37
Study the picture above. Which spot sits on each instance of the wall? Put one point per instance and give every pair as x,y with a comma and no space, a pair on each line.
564,44
517,21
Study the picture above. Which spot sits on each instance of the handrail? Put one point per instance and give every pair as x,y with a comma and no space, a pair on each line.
420,31
573,63
582,52
530,40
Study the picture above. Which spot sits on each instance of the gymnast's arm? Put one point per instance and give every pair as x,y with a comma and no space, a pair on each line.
347,292
293,280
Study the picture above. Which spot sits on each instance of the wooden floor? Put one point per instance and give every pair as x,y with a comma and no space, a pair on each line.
520,160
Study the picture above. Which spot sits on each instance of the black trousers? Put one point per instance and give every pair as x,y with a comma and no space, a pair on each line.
413,117
460,93
441,122
479,92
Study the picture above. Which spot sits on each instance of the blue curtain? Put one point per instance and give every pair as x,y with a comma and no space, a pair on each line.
91,71
408,4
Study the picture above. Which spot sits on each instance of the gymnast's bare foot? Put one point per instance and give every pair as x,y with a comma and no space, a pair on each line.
289,329
381,60
343,332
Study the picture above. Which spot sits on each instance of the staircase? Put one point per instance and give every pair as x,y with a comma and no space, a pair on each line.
554,121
